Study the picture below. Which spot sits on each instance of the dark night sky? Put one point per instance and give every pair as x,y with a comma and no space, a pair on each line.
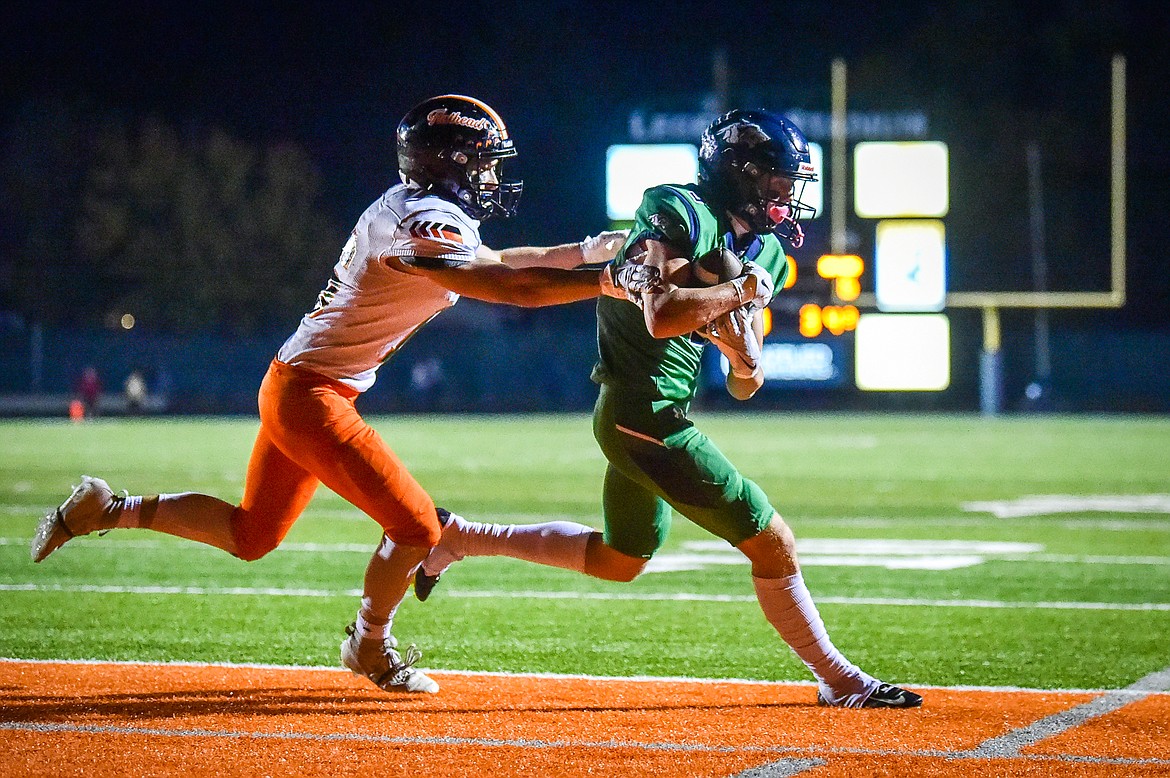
335,79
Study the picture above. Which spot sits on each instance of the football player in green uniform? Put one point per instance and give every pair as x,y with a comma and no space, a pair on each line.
753,166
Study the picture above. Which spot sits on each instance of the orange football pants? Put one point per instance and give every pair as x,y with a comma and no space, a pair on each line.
311,433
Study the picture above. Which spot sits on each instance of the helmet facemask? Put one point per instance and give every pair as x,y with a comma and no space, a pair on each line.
770,201
483,190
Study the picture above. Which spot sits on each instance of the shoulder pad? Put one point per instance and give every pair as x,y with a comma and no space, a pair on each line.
432,228
669,215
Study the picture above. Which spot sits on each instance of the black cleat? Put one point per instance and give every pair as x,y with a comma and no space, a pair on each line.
424,584
890,696
886,696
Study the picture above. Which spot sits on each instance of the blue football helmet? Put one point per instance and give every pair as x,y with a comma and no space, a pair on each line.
741,154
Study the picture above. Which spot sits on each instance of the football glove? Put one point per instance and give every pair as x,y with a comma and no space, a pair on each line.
735,337
629,280
755,287
599,249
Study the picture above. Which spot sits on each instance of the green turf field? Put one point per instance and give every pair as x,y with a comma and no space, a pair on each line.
924,538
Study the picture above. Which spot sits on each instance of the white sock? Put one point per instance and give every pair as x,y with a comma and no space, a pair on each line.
198,517
789,607
554,543
368,631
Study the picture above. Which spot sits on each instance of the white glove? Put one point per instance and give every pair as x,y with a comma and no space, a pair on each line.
599,249
629,280
755,287
735,337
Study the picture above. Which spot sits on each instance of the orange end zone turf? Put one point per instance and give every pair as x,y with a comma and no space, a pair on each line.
130,719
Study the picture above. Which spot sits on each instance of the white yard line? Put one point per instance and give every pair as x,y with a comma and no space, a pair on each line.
604,596
367,548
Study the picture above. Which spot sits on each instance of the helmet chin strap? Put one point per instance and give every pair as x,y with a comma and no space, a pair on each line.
738,225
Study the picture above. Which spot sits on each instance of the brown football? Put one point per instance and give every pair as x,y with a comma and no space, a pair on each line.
716,266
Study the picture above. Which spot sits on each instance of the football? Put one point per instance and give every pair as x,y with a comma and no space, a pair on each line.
716,266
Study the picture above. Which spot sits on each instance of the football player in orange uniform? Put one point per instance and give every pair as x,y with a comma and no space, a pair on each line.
451,155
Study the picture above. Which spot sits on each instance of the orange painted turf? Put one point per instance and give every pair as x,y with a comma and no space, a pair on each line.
129,720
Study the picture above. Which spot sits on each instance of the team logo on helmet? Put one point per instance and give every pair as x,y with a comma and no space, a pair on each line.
443,116
750,135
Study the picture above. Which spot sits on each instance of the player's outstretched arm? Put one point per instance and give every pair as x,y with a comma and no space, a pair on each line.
496,282
593,251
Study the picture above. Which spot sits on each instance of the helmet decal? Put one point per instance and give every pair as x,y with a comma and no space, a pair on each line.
443,116
495,117
746,133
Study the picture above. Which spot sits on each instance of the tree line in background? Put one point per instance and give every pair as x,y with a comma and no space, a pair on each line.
189,227
186,229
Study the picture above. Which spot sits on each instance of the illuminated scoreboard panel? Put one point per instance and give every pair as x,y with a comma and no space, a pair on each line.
825,307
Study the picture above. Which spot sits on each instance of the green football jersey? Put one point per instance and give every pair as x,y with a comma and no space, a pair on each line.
630,359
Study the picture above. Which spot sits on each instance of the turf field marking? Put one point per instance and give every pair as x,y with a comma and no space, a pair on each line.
638,679
814,551
903,554
788,759
1045,504
881,522
787,766
402,740
1011,744
783,768
612,596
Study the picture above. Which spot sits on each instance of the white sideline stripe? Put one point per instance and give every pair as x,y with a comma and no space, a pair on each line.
784,767
551,676
367,548
603,596
1103,524
1010,744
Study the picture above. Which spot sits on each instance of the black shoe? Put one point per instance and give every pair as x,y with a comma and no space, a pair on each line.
424,584
886,696
890,696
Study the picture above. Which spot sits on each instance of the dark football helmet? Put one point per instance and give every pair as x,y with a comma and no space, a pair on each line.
739,155
454,146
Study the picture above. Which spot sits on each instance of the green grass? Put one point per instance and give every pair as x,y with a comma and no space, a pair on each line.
845,477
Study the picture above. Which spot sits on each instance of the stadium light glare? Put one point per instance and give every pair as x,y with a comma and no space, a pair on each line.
903,352
905,178
631,169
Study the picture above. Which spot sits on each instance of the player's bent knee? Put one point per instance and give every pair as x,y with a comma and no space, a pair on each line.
420,535
251,551
603,562
625,575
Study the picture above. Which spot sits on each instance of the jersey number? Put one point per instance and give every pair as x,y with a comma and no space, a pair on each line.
330,291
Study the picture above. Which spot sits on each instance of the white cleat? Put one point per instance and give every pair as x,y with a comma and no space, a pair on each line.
92,507
380,662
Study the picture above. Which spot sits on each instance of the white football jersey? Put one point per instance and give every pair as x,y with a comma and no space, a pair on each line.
367,310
